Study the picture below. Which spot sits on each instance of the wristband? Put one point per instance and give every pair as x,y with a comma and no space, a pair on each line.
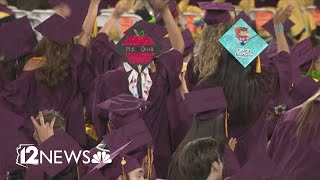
279,27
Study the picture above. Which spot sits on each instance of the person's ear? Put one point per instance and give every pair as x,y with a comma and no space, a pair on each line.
215,167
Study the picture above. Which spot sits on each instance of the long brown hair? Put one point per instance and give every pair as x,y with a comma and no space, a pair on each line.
209,50
306,119
56,68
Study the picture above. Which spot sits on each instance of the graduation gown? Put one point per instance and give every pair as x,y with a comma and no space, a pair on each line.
113,83
26,96
299,158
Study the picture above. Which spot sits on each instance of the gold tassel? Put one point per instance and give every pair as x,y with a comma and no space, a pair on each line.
258,65
95,28
226,123
123,163
149,163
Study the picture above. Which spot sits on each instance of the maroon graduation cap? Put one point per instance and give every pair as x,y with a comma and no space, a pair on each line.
123,109
59,29
138,48
216,12
17,39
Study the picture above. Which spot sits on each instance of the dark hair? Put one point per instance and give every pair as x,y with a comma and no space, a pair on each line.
241,86
197,156
213,128
56,69
48,115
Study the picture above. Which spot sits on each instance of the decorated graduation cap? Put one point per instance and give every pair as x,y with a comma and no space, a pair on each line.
216,12
207,100
123,109
138,48
270,27
59,29
243,43
17,39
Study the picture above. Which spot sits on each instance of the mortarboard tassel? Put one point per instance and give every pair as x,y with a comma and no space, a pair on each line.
95,28
149,163
226,123
258,65
123,163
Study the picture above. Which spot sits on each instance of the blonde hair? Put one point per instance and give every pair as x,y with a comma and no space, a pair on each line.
209,49
305,119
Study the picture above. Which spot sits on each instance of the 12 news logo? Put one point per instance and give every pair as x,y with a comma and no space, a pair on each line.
28,154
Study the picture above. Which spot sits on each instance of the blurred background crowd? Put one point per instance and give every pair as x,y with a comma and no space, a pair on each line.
306,15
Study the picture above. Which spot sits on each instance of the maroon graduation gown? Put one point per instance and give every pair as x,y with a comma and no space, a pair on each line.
113,83
296,157
26,96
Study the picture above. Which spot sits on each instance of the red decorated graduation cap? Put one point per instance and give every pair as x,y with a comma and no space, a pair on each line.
138,48
270,27
123,109
17,39
216,12
59,29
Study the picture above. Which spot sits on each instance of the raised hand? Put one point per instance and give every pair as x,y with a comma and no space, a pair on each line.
159,5
282,14
183,87
119,10
43,130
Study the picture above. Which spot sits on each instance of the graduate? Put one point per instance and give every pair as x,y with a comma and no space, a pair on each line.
247,86
56,74
294,146
135,159
159,81
207,107
127,147
201,159
17,42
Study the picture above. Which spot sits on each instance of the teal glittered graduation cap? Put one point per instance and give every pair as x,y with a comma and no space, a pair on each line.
243,42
